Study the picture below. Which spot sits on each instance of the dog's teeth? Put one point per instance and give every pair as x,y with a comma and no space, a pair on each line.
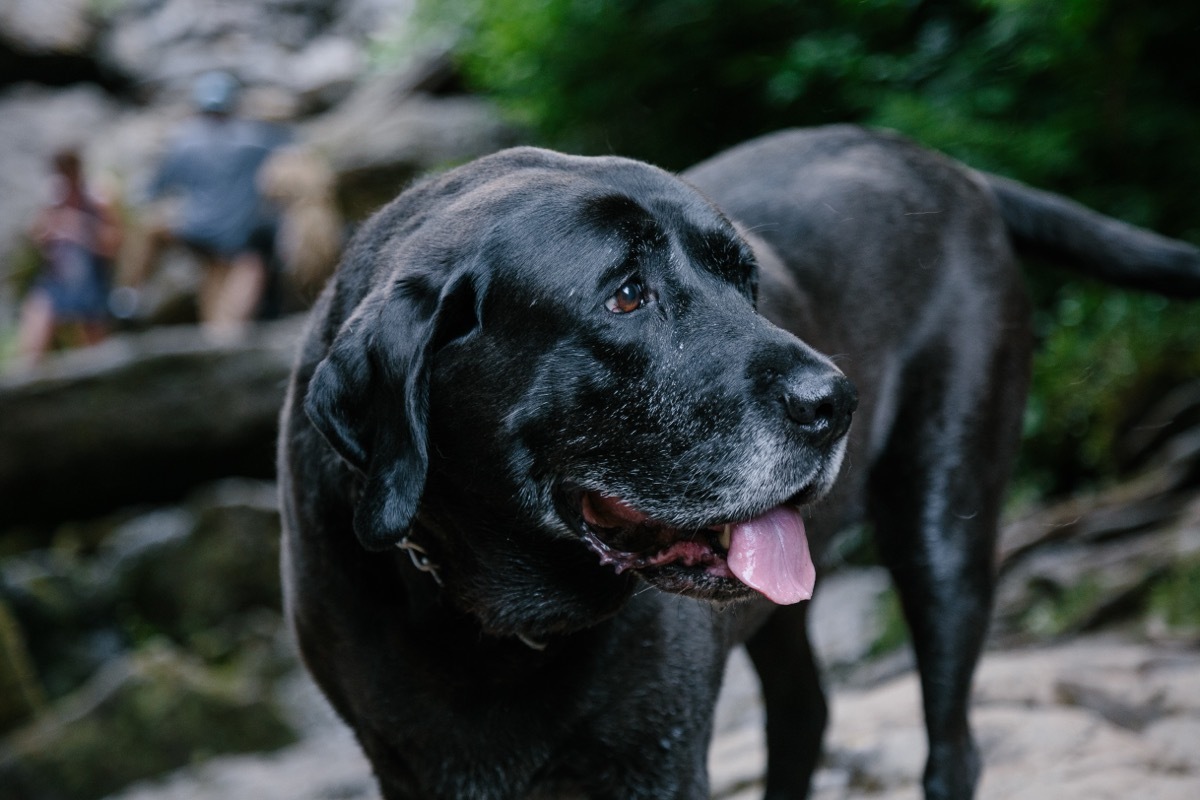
726,536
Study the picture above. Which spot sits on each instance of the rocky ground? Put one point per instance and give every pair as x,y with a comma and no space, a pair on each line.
1097,717
1100,716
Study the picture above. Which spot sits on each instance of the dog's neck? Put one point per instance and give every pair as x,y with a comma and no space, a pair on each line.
421,597
504,578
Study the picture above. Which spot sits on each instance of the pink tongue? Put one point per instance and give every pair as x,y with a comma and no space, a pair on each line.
770,554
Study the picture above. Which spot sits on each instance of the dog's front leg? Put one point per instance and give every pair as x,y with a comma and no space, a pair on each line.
794,700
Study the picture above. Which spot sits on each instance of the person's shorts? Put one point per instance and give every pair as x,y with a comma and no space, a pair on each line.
260,240
77,301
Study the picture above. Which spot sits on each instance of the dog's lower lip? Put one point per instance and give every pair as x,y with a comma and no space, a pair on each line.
685,555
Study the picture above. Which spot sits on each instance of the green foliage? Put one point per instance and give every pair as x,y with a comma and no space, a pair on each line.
1105,357
893,628
1095,99
1175,599
1062,611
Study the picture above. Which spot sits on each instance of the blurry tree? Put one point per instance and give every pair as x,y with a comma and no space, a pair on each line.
1097,99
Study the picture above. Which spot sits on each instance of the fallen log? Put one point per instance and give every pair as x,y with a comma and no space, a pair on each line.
140,418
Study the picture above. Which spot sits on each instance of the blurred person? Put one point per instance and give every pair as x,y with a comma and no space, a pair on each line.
77,237
211,166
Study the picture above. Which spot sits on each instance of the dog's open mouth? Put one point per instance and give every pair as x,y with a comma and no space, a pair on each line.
768,553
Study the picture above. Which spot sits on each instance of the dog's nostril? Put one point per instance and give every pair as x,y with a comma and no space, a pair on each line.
808,412
824,411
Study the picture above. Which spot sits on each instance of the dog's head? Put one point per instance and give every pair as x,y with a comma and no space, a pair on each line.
561,356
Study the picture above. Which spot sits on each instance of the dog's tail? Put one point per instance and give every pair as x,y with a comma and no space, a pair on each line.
1045,224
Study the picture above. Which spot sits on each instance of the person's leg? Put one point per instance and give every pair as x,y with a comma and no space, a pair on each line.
145,247
231,292
36,331
243,290
214,272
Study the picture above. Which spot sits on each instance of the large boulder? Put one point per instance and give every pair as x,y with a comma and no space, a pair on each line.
47,26
395,126
204,574
191,571
64,618
310,48
140,418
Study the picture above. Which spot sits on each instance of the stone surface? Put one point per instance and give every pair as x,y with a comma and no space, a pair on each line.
1037,741
62,614
204,574
225,564
1093,561
385,133
309,47
327,766
845,615
47,26
139,716
141,418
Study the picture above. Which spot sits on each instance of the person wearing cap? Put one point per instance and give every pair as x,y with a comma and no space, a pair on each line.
211,167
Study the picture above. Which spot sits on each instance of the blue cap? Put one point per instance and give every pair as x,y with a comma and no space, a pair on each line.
215,92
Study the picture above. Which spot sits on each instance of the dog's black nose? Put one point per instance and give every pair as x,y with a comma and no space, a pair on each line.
822,406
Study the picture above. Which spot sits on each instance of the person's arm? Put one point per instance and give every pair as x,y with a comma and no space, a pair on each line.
163,179
106,241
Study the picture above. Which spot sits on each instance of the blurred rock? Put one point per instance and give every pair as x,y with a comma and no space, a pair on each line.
187,573
204,574
1037,739
1167,433
845,616
47,26
66,617
329,767
140,418
140,716
310,48
389,131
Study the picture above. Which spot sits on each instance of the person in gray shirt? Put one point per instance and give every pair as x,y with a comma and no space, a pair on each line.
211,166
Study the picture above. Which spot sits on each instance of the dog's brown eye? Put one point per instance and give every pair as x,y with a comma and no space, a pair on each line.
630,297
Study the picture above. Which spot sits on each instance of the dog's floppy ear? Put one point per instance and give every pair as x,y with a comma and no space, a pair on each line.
369,397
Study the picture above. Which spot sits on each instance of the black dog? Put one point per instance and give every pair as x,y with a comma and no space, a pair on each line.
542,458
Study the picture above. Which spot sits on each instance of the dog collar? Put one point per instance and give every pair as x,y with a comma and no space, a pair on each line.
421,560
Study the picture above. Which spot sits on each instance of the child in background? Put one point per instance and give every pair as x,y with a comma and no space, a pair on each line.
77,237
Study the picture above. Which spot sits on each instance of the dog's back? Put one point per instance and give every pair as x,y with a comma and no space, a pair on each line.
899,263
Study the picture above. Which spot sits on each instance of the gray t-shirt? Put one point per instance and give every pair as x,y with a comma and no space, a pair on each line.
212,164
